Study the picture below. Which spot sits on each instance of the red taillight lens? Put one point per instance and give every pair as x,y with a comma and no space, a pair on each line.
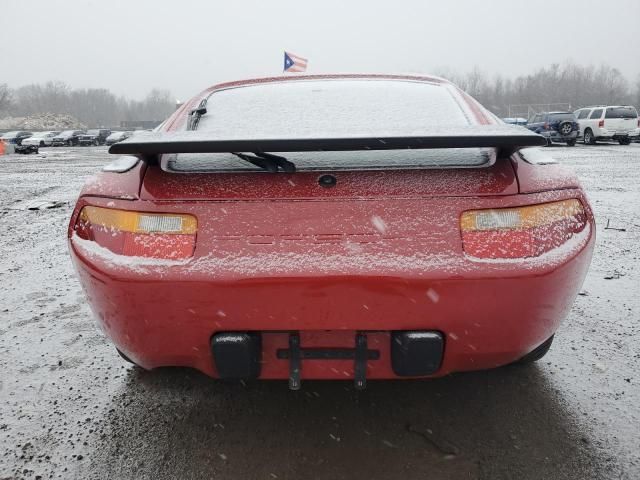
601,124
521,232
167,236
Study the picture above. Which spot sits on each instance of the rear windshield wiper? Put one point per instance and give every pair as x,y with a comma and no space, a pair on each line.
267,161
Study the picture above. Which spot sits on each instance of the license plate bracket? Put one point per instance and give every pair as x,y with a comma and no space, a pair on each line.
360,354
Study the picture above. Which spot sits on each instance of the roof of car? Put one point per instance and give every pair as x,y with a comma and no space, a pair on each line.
481,115
332,76
608,106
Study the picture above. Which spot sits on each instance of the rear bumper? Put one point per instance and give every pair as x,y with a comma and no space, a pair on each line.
558,137
487,322
490,314
610,135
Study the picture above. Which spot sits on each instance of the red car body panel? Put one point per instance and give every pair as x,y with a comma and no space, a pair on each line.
380,252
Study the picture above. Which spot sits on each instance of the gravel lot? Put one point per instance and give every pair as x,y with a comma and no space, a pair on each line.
71,408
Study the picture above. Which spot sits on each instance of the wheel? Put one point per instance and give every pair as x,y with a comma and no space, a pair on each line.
565,128
41,143
537,353
589,139
624,141
70,142
95,143
571,143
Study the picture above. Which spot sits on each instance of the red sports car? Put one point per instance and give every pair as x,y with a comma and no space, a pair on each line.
332,227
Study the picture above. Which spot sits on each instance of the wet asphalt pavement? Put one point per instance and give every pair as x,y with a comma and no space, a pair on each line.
71,408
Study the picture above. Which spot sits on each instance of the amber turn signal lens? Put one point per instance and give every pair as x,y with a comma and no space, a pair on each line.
521,232
168,236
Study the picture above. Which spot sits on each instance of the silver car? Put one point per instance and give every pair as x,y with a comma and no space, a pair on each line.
40,139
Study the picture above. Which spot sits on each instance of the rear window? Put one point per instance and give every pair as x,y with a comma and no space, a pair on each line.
562,117
621,112
330,108
583,114
333,109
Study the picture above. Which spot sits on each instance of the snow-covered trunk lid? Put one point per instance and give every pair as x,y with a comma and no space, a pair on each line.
498,178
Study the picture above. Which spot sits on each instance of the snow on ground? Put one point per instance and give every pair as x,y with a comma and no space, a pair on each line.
70,407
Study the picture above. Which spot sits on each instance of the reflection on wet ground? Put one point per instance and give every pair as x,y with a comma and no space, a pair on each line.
506,423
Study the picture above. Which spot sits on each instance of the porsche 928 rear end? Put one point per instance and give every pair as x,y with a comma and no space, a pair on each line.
331,227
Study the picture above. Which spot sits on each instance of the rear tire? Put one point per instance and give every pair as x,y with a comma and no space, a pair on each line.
571,143
127,359
624,141
41,143
589,139
537,353
70,143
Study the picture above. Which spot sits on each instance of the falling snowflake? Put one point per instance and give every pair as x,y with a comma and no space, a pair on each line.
379,224
433,295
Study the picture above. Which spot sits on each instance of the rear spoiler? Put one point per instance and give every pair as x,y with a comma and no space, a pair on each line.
505,138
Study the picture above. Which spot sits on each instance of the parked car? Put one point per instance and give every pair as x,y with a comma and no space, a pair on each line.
40,139
515,121
26,149
615,122
67,137
116,137
94,137
560,127
366,248
15,137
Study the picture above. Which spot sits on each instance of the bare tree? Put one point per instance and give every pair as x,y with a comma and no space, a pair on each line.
5,97
569,83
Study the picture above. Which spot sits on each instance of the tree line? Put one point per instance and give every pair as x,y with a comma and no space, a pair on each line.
568,83
92,106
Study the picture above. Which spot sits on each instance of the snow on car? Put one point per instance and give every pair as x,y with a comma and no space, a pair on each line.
40,139
332,227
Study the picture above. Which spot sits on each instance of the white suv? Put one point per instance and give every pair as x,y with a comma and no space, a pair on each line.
602,122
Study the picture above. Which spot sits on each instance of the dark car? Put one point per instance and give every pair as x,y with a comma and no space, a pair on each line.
96,137
15,137
68,137
560,127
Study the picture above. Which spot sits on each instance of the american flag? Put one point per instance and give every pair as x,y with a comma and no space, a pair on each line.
294,63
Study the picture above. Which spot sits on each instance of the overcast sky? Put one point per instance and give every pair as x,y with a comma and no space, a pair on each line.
131,46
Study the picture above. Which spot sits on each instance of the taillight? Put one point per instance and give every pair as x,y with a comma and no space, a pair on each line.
601,124
521,232
167,236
